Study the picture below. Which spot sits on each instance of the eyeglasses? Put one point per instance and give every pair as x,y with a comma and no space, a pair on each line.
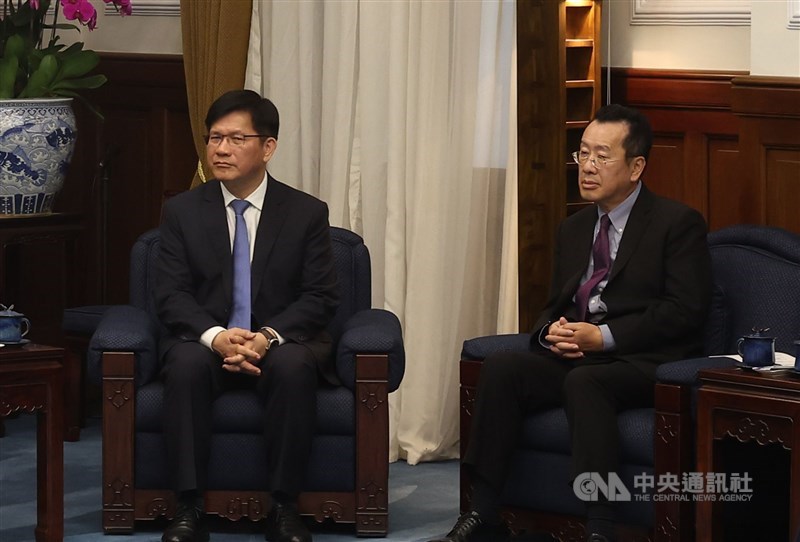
580,158
234,140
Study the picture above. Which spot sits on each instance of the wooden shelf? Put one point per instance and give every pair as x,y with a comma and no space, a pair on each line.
577,123
579,42
579,3
580,83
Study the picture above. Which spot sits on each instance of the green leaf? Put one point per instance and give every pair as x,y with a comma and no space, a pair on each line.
15,47
8,75
40,80
78,63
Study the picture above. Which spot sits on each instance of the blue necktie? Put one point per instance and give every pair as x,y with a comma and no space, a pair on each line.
601,254
240,312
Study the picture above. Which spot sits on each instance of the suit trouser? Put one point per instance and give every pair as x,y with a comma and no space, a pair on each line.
515,384
194,378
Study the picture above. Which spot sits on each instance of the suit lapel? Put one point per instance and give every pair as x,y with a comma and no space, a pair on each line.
215,222
634,230
273,215
580,250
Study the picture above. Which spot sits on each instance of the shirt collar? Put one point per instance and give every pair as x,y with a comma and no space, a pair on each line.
256,197
619,214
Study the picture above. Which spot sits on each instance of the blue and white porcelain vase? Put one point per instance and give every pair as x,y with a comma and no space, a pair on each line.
37,139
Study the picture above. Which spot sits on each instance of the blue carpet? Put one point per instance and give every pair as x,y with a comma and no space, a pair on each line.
423,499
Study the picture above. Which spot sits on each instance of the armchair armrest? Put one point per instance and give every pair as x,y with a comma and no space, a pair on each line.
480,347
125,328
371,331
684,372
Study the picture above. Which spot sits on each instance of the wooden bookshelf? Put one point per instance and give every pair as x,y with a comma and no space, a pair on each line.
559,91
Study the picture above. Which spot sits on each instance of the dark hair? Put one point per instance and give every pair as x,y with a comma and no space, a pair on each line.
263,112
640,134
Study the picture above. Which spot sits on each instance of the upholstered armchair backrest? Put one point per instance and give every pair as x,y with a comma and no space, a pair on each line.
355,277
756,273
144,256
349,252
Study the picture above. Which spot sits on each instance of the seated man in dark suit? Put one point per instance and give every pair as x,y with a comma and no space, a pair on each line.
246,287
631,288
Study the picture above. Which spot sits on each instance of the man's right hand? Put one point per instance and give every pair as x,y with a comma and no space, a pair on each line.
238,349
562,340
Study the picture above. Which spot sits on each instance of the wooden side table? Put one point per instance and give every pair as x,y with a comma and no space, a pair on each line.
31,380
761,407
42,272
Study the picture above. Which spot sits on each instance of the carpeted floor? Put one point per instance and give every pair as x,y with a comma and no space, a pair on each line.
423,499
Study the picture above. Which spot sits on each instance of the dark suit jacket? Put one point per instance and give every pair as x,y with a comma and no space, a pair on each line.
294,286
659,289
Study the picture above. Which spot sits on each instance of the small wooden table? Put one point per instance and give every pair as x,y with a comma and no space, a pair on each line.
31,380
749,406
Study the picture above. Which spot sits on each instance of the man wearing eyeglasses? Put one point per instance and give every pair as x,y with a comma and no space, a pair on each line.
246,287
631,288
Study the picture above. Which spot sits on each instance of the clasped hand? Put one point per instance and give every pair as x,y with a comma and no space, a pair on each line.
572,339
240,349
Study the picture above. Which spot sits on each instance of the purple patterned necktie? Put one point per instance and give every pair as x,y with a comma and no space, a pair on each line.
240,312
602,264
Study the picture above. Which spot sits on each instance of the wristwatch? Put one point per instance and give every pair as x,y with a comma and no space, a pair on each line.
271,338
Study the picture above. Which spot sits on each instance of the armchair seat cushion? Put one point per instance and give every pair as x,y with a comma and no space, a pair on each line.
240,412
548,431
83,320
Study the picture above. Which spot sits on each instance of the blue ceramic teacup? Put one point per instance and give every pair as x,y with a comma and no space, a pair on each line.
757,350
13,325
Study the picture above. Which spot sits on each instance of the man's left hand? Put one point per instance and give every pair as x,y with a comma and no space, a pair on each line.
246,349
572,339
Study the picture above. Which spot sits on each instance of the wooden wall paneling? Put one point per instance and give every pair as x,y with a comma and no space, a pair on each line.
695,154
664,169
769,109
783,187
729,194
145,147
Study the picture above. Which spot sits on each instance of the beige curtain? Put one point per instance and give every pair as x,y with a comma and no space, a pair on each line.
215,42
400,115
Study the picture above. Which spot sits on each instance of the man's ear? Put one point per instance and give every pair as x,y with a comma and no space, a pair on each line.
637,167
269,147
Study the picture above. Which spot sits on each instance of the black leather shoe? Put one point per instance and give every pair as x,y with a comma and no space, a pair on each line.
188,525
470,527
284,525
597,537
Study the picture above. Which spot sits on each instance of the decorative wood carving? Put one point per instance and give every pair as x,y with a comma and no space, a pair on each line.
249,507
571,531
666,431
372,396
745,428
21,404
119,492
119,392
468,401
158,507
666,529
332,509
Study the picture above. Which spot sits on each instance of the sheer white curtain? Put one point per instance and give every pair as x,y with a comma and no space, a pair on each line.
402,116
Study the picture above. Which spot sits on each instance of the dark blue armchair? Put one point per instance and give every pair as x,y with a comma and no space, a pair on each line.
348,474
756,276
